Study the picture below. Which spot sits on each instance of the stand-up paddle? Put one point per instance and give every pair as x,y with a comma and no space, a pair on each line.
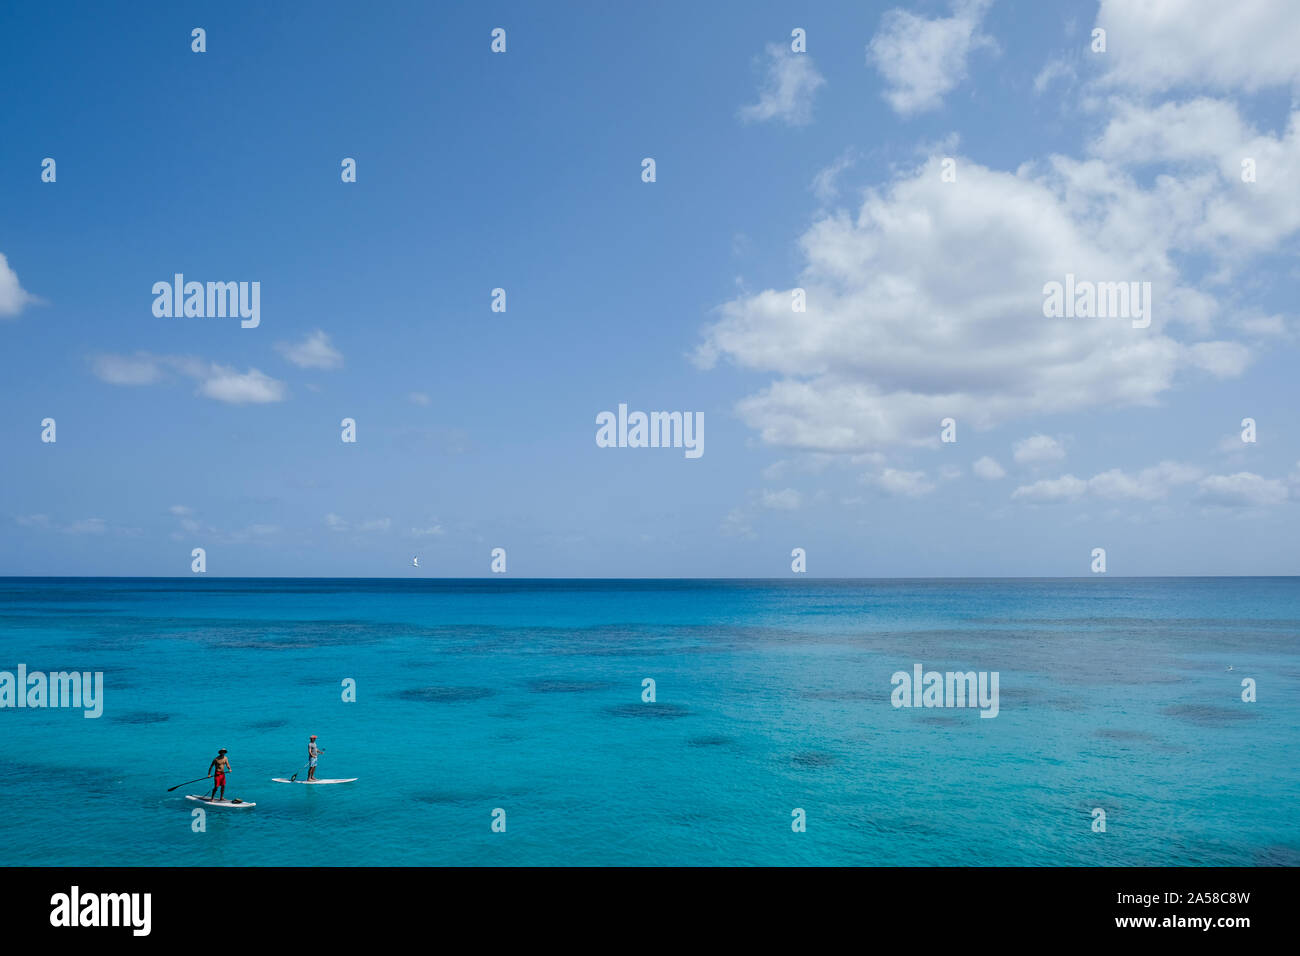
195,780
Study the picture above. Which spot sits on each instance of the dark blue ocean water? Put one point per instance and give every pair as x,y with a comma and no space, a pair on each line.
771,695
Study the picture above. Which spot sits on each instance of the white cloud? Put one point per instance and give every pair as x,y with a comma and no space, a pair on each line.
1053,70
241,388
1245,45
33,521
220,382
139,369
1198,128
787,499
419,398
1232,444
1207,207
929,303
335,523
1065,488
314,351
920,59
788,88
825,184
13,297
188,522
376,524
1037,448
186,519
432,531
810,464
988,469
1264,326
909,484
1220,359
949,472
1150,484
1242,490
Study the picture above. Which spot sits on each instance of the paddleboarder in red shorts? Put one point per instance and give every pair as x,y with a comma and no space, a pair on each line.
220,764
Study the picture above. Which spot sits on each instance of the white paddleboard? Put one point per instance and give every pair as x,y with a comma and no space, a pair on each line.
218,803
287,780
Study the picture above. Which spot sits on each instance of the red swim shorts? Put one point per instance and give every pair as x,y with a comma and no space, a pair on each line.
220,780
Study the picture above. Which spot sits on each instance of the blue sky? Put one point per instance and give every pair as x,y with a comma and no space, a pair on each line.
522,170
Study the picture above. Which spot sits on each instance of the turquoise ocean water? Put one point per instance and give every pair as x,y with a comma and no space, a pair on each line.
771,695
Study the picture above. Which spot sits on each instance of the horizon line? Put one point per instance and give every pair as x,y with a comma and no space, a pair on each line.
155,577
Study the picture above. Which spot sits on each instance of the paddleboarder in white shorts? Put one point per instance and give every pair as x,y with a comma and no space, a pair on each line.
312,753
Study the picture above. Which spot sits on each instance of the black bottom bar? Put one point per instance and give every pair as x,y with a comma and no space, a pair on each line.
324,907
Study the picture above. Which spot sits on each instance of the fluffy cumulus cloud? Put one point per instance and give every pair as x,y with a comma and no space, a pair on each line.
1037,448
1149,484
921,59
789,83
907,484
1065,488
1242,490
926,300
313,351
1208,141
13,297
219,382
988,469
228,385
929,302
1245,45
